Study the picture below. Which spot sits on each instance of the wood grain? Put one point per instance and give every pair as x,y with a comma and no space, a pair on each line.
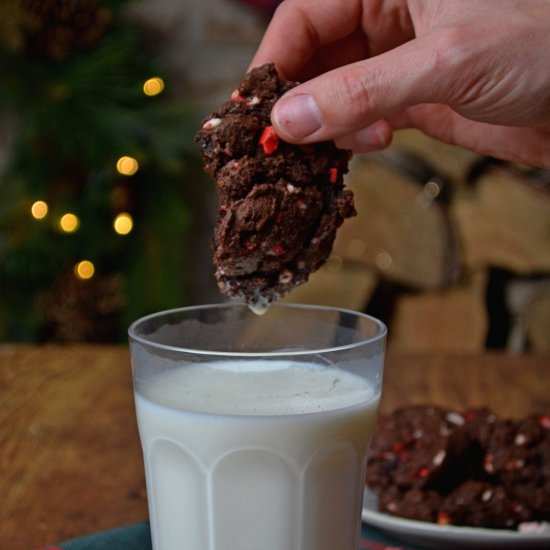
70,457
401,231
504,221
450,320
512,385
69,451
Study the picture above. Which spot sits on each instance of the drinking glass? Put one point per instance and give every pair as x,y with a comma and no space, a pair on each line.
255,429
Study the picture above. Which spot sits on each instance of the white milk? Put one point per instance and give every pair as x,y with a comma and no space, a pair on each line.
255,456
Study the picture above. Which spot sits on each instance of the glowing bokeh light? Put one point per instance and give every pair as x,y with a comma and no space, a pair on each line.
383,260
39,210
69,223
127,166
153,86
123,223
432,189
84,269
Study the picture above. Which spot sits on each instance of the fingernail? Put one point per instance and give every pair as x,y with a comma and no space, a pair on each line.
372,136
298,115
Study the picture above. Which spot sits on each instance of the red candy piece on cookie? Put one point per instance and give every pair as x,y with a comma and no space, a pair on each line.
269,140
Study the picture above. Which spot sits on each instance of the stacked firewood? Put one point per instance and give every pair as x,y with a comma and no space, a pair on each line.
450,249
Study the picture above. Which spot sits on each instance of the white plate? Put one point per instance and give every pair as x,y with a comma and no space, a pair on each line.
447,537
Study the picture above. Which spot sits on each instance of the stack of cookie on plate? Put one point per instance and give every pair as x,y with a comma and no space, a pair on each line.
470,468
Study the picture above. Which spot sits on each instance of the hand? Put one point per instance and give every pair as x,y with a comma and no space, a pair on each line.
470,73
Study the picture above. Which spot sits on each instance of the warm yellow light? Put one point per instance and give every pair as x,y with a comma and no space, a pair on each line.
123,223
69,223
127,166
84,269
153,86
39,210
384,260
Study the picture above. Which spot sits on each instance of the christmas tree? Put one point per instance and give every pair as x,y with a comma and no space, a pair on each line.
94,214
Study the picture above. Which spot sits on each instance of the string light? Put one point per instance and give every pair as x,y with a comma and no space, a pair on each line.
127,166
383,260
69,223
84,269
39,210
123,223
153,86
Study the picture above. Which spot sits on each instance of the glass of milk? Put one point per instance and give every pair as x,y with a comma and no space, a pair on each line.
254,428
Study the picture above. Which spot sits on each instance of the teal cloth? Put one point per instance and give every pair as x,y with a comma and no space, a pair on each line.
131,537
138,537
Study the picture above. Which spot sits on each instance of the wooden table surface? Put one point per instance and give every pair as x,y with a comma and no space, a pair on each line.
70,458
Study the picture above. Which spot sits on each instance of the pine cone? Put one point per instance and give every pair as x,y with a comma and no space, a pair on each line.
79,310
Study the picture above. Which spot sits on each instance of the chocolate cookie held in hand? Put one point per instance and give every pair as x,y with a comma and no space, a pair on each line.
280,204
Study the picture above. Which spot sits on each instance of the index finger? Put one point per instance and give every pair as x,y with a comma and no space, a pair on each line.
300,27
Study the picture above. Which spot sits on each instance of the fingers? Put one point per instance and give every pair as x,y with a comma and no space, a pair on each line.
300,27
517,144
528,146
342,101
372,138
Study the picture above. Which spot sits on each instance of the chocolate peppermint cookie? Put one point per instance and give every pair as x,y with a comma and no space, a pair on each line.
279,204
463,468
419,447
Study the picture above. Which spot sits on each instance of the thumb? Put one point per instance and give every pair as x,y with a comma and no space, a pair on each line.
345,100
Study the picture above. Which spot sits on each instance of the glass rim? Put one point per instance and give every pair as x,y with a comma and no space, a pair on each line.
134,337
